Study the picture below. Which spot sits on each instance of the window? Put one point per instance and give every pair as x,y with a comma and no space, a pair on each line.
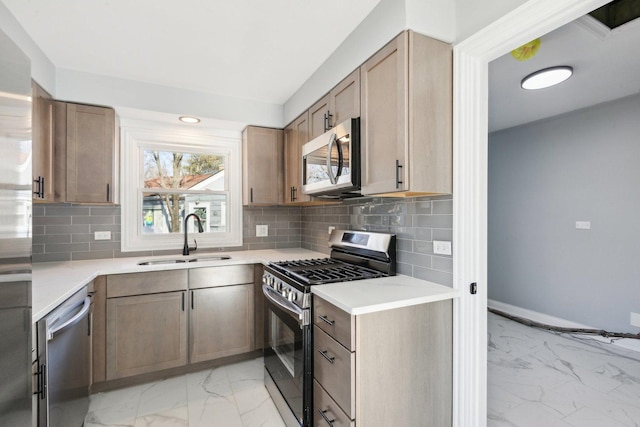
170,172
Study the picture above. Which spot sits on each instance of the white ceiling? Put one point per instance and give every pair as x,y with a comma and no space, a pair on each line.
606,67
250,49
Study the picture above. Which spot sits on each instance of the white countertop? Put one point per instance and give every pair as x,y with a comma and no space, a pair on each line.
371,295
54,282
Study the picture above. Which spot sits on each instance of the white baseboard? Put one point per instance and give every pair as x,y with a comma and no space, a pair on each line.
628,343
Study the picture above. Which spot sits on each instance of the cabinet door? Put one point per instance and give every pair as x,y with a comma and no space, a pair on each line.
146,333
319,123
296,135
90,154
384,87
262,151
344,99
42,142
221,322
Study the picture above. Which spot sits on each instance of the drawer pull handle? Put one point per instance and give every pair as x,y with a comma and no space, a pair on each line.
324,354
322,413
327,321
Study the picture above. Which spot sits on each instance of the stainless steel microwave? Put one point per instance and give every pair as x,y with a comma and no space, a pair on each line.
331,162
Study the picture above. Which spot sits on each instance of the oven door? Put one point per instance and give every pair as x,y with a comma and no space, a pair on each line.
287,358
331,162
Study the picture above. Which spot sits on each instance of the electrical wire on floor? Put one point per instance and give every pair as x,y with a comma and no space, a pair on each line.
539,325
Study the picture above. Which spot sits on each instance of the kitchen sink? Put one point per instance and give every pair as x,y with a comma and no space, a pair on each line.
183,260
163,261
210,258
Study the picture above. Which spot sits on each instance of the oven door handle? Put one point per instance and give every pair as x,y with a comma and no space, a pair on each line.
295,311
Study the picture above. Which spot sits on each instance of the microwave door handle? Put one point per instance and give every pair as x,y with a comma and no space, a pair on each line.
340,160
332,140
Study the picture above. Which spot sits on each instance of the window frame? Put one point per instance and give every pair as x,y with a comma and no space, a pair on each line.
137,136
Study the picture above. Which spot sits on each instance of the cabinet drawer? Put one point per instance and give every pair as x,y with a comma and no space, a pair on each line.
333,321
323,404
152,282
334,369
209,277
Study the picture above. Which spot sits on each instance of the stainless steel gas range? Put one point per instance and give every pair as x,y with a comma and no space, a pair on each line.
288,354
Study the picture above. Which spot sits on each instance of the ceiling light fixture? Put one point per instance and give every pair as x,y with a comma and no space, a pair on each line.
547,77
189,119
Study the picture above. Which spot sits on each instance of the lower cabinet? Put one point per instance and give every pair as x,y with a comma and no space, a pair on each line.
221,322
387,368
153,321
146,333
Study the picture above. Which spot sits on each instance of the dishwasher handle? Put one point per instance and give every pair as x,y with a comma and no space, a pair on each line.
57,330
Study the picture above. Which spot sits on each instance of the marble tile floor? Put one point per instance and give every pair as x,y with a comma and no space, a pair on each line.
228,396
538,378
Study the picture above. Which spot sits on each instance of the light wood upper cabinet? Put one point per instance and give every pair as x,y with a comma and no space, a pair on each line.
262,169
42,143
295,136
406,118
344,99
318,117
87,159
342,103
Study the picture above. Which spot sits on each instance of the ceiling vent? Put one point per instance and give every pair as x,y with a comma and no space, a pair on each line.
617,13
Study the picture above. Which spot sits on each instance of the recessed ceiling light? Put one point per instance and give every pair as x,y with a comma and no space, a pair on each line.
189,119
546,77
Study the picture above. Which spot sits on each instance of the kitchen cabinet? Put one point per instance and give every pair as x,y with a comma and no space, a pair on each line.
42,144
221,317
340,104
87,153
391,367
406,118
262,158
295,136
146,322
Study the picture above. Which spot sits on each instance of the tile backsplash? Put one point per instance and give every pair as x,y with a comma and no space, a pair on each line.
415,221
65,232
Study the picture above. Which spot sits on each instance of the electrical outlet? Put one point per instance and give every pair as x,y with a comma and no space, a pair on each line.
331,228
635,319
102,235
441,247
262,230
583,225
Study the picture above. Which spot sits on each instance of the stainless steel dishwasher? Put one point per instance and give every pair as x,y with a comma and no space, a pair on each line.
64,363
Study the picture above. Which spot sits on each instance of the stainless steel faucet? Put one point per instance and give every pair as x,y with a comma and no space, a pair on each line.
186,248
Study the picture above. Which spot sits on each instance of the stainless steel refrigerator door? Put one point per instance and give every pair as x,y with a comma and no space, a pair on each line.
15,235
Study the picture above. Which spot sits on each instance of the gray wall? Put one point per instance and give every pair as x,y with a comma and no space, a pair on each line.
545,176
64,232
416,221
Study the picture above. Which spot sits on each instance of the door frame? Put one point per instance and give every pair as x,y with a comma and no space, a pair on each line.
470,164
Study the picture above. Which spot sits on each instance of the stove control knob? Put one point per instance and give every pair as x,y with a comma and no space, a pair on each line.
277,285
285,292
265,280
292,297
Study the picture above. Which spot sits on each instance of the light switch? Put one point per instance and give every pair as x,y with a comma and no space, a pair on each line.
441,247
102,235
583,225
262,230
